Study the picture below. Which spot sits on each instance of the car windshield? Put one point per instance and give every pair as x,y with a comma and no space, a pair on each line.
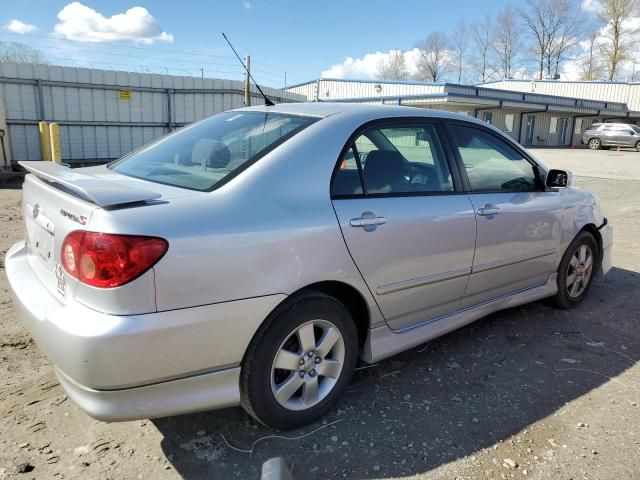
202,156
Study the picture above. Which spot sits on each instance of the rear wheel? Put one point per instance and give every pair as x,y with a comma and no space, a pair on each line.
576,270
638,146
299,362
595,144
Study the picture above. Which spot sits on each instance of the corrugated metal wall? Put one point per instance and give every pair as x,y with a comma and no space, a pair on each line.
327,89
628,93
105,114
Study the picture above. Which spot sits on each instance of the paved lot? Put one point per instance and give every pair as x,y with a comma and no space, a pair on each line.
532,392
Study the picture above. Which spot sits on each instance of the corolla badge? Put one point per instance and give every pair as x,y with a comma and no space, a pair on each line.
36,211
81,219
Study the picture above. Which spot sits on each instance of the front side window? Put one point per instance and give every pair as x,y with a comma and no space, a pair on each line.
202,155
491,163
394,159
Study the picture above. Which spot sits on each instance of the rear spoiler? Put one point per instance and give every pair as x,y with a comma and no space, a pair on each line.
103,193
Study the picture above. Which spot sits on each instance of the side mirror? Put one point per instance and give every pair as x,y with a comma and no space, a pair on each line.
558,179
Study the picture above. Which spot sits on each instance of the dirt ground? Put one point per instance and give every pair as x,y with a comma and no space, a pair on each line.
531,392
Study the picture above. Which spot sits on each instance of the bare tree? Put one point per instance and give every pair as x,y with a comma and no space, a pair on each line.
434,57
393,67
554,27
459,45
590,63
20,53
617,44
481,34
568,23
507,42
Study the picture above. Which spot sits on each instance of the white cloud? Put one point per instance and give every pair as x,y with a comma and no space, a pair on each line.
593,6
16,26
246,5
83,24
367,66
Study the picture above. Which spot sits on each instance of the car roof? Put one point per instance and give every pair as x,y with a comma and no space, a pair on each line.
325,109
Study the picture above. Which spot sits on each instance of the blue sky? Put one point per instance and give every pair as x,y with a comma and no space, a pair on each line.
300,37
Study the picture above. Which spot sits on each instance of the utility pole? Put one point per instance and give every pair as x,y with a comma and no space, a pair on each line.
202,73
247,84
285,79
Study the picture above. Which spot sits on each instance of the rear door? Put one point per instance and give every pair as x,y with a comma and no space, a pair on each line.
518,223
405,220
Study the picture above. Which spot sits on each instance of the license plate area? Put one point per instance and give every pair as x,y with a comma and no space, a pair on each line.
40,237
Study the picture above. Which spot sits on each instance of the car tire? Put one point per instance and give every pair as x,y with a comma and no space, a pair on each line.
576,271
638,146
594,143
292,338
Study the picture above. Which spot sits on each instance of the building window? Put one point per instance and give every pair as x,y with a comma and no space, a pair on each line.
487,117
553,125
508,122
577,130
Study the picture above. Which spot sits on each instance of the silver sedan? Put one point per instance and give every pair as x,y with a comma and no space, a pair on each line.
254,257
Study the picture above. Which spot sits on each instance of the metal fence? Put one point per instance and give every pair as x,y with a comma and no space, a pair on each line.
105,114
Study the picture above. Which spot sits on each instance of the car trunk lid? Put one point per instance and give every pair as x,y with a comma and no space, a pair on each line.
56,201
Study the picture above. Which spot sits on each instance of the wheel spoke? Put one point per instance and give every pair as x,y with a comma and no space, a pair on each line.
290,386
287,360
307,337
328,340
575,287
310,391
570,279
574,261
582,254
588,262
329,368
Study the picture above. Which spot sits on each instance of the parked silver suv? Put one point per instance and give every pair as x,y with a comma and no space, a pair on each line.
606,135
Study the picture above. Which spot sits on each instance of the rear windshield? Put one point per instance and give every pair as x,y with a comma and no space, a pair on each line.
204,155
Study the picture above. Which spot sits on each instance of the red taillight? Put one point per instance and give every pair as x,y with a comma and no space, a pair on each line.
106,260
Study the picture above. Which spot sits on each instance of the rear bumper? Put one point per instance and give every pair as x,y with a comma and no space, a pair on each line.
122,367
207,391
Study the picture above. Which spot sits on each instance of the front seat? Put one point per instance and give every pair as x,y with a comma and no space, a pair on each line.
385,171
220,156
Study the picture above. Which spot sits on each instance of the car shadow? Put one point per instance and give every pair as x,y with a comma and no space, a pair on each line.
448,399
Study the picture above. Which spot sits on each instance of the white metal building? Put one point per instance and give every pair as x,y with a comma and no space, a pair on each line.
534,118
105,114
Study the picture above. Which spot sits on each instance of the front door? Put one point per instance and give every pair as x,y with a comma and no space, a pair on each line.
518,223
531,123
408,228
562,134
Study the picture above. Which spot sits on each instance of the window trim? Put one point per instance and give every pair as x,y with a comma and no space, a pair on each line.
391,121
537,170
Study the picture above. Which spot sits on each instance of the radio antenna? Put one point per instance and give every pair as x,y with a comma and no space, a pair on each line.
267,102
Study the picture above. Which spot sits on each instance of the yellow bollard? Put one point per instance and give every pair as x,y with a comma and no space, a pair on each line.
45,142
54,134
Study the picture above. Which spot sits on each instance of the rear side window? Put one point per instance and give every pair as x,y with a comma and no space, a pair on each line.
203,155
491,163
394,159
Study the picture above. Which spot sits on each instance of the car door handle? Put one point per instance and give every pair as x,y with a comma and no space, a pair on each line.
488,210
367,222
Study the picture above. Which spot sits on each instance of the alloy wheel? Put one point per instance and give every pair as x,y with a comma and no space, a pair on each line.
594,144
579,271
307,365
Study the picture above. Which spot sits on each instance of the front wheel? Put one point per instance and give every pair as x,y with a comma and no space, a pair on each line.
638,146
595,144
576,271
299,362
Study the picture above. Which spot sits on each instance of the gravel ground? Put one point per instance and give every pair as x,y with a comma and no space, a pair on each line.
531,392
